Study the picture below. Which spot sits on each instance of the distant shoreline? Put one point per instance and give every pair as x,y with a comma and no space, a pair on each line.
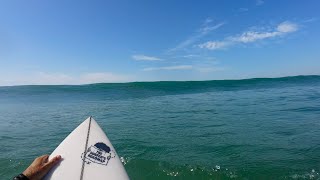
176,81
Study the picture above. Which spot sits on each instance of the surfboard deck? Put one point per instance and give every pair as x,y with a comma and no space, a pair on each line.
87,154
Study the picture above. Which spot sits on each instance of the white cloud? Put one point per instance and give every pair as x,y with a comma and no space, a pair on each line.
180,67
199,68
287,27
103,77
310,20
208,20
259,2
190,56
243,9
205,29
251,36
141,57
213,45
210,69
42,78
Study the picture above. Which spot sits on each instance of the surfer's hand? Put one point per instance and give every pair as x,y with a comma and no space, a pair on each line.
40,167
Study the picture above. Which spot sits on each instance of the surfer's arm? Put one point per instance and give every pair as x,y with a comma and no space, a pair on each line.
39,168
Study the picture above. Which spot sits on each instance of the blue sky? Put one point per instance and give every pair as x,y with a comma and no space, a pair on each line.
79,42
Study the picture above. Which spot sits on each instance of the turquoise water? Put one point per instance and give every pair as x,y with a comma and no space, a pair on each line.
240,129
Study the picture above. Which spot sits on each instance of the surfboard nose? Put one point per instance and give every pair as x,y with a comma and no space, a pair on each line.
81,163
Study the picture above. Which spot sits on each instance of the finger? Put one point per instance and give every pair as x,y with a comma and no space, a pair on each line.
40,159
47,166
52,162
44,159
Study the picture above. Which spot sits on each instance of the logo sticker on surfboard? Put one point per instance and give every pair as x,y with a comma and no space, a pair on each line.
99,153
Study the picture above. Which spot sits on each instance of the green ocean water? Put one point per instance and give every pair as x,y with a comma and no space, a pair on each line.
228,129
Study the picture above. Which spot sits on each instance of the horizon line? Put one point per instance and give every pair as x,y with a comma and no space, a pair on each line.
240,79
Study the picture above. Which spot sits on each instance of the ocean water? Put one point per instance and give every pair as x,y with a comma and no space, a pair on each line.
230,129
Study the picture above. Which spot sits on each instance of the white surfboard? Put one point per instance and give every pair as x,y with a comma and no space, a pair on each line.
87,154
